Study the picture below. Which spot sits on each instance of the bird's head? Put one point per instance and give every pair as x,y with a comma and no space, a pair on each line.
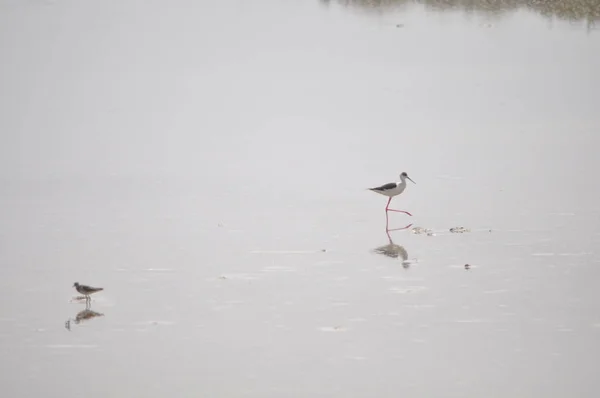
75,284
404,175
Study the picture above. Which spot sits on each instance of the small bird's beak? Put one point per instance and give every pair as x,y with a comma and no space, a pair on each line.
410,179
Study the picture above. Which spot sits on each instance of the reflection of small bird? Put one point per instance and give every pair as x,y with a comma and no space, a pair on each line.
86,290
393,189
86,314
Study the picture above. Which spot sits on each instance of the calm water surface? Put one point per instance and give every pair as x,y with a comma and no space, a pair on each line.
207,164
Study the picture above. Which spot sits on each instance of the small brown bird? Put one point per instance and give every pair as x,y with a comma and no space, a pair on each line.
86,290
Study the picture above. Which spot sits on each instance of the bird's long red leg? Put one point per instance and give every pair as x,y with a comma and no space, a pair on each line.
400,211
388,204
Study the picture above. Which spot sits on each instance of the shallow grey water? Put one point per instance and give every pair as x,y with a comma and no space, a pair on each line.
207,164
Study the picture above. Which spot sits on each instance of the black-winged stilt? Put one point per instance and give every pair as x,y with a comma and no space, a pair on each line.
393,189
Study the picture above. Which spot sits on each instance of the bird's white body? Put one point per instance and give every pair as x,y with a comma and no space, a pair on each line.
391,192
393,188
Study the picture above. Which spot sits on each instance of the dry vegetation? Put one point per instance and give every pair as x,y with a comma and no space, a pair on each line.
571,10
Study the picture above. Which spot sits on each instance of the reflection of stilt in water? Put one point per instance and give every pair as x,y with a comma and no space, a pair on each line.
393,250
83,315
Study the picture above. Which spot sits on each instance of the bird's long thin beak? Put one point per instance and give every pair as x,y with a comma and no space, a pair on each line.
411,179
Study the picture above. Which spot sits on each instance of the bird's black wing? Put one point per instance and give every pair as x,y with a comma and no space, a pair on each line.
385,187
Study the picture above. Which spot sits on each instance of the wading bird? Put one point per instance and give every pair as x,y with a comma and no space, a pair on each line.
393,189
86,290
